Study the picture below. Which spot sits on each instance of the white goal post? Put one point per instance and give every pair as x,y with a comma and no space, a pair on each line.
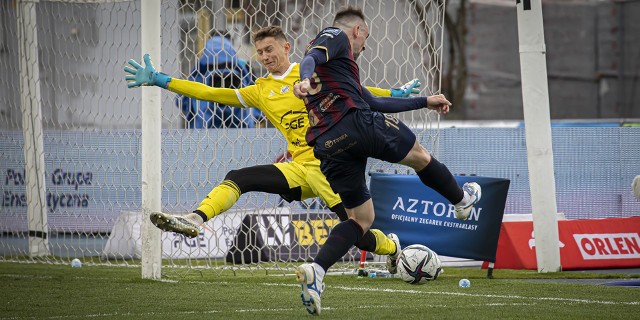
151,144
537,120
110,155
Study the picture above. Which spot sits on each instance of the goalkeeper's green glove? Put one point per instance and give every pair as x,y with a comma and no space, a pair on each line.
147,76
407,89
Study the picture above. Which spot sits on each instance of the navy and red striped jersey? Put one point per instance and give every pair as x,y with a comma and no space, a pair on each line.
335,85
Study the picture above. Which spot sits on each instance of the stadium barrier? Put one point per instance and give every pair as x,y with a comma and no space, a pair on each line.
283,237
239,236
584,244
213,241
92,177
419,215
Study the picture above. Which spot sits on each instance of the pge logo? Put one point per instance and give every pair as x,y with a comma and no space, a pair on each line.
293,120
191,243
295,123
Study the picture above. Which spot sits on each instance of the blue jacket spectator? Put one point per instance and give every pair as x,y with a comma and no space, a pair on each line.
219,67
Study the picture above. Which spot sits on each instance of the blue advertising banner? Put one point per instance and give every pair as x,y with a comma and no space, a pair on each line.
92,176
419,215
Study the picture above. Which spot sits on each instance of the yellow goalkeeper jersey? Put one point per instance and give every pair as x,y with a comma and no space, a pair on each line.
273,95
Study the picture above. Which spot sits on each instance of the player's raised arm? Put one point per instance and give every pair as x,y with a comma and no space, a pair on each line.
307,66
301,89
439,103
407,89
395,105
404,91
392,104
145,76
137,76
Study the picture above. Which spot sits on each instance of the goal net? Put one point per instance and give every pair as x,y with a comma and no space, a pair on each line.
70,130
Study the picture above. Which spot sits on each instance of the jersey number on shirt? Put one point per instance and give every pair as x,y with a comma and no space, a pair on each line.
391,121
315,85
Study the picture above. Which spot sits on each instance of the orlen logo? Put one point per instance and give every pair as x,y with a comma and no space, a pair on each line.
608,245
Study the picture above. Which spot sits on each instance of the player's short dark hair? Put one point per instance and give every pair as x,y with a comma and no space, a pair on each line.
348,14
270,31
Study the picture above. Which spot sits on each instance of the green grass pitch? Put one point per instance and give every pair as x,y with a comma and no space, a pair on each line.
41,291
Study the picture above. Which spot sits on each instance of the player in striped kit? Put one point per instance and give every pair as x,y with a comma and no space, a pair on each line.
298,179
347,127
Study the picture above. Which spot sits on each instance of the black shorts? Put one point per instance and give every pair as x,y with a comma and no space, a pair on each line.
345,148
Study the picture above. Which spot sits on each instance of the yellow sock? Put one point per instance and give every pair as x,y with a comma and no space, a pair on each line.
220,199
384,245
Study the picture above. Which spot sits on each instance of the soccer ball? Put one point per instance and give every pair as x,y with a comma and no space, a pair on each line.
418,264
76,263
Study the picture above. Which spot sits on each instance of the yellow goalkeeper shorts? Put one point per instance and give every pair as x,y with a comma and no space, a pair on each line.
308,177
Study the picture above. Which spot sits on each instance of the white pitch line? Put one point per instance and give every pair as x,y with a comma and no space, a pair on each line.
406,291
571,300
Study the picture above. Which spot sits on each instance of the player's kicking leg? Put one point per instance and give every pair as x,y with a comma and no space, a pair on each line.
473,193
185,225
312,288
436,175
392,258
373,240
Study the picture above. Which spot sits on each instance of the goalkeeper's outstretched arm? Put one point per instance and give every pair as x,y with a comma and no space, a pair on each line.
138,75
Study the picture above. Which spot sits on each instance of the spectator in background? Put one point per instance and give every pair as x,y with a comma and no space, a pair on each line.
220,67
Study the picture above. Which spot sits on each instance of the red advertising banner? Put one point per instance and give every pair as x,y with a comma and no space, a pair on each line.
584,244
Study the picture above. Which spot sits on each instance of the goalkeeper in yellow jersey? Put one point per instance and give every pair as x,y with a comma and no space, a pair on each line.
298,179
